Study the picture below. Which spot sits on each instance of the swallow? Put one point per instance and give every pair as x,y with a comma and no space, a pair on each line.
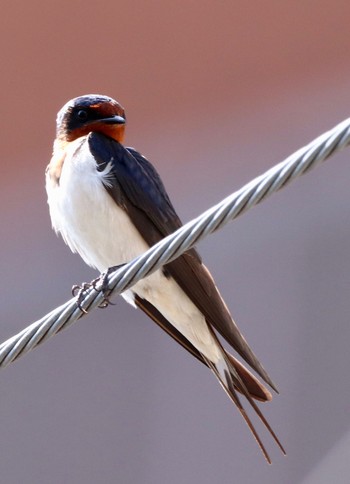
108,203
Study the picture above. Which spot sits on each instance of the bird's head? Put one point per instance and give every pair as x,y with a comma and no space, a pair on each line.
92,112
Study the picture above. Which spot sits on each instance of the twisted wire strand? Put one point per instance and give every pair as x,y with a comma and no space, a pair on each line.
183,239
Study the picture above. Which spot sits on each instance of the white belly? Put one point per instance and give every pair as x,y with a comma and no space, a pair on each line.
93,225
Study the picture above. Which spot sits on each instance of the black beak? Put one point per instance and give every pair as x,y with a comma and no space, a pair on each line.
114,120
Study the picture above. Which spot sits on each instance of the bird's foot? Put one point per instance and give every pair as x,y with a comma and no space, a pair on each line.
99,284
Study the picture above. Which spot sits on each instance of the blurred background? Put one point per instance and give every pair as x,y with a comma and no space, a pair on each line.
215,92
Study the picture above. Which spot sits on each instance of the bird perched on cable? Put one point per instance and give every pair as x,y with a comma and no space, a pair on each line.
109,204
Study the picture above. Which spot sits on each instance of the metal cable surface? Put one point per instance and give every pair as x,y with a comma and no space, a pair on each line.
175,244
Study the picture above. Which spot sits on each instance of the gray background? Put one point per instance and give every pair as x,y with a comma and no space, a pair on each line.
215,93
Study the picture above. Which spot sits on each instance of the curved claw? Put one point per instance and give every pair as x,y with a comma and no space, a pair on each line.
78,292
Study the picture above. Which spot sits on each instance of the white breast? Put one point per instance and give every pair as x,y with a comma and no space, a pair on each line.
82,211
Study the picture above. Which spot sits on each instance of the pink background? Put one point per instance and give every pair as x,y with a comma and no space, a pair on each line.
216,92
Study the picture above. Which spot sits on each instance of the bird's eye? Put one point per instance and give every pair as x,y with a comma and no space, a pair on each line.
82,114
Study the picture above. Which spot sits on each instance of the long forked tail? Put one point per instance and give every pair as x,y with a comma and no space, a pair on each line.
233,376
